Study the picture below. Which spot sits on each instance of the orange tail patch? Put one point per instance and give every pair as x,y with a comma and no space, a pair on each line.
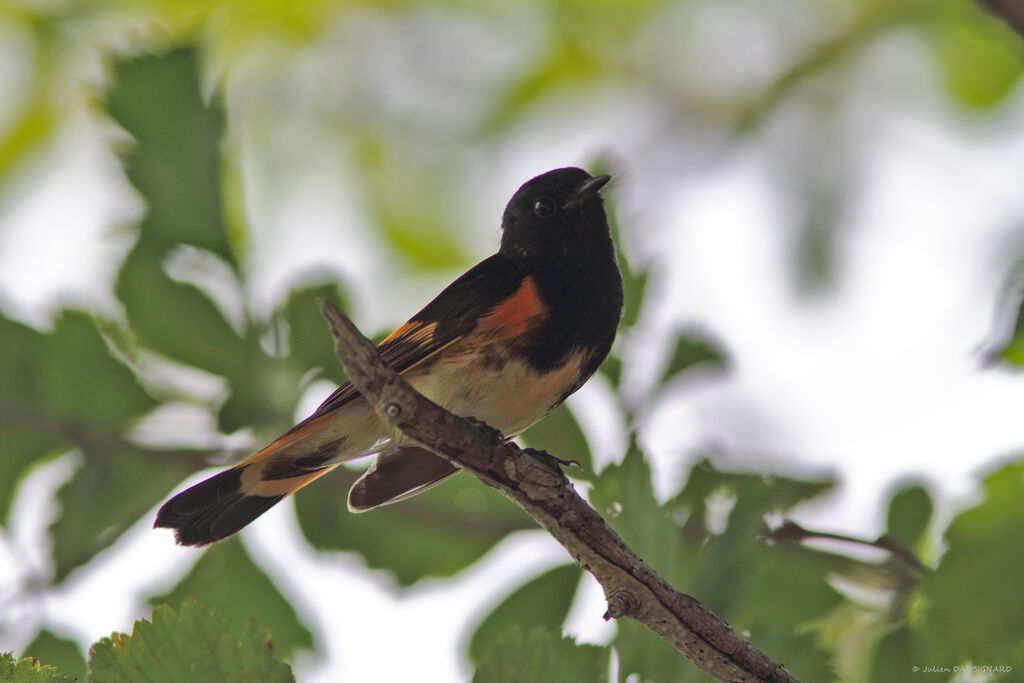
225,503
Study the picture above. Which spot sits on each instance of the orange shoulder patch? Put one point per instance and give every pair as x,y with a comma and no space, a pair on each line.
514,314
415,332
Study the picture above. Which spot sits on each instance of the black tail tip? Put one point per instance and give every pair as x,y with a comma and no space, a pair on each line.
212,510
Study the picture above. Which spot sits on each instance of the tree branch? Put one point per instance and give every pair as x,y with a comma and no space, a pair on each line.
534,481
1010,11
791,532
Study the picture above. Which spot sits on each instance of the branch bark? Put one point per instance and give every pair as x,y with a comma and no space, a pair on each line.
1010,11
534,480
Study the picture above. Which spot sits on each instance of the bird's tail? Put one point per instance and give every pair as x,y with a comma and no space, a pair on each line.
223,504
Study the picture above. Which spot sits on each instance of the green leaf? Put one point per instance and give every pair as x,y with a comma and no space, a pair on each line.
568,67
611,368
177,319
65,655
194,645
894,656
726,574
624,496
29,670
560,434
1014,349
25,433
175,163
227,579
634,287
979,57
412,210
66,390
31,125
79,379
910,512
789,592
543,601
310,342
691,350
969,612
542,656
728,569
437,533
107,494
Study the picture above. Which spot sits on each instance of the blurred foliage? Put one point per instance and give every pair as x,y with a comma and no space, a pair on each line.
84,384
462,516
226,579
543,602
541,654
1012,350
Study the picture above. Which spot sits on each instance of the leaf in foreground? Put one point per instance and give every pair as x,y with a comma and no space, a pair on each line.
227,579
193,645
29,670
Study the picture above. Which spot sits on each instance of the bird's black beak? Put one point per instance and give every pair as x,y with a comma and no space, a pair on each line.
587,189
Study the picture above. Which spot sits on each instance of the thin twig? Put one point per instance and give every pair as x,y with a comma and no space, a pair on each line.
792,532
91,437
534,481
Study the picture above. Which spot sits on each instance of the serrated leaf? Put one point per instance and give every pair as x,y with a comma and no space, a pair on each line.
63,654
560,434
29,670
175,163
543,601
542,656
193,645
226,579
437,533
910,512
968,614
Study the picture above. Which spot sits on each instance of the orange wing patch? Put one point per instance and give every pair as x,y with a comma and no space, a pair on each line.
515,313
415,332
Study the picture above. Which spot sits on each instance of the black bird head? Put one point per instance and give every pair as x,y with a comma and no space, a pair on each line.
556,215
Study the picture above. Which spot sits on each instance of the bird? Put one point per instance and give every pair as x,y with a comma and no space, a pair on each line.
505,344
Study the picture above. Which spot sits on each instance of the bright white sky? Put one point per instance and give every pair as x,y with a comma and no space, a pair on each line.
878,379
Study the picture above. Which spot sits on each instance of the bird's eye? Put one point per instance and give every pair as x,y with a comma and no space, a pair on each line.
544,208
